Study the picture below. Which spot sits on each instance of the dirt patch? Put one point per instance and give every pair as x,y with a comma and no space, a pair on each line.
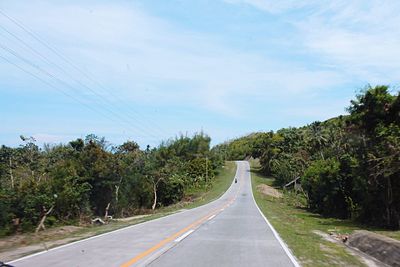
269,191
16,246
25,239
21,251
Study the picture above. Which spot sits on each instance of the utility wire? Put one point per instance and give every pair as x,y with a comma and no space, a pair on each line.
104,100
10,51
49,84
19,24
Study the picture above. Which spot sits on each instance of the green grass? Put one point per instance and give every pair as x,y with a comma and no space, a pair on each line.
294,201
217,187
391,234
296,226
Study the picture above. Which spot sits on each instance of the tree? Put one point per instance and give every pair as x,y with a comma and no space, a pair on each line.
375,112
349,165
89,177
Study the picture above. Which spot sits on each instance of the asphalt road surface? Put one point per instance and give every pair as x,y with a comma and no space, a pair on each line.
230,231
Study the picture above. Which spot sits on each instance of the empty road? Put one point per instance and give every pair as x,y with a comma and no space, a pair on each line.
227,232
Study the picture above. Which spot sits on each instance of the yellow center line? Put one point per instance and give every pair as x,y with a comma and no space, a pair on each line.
172,237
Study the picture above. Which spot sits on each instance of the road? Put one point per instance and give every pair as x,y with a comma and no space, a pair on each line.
229,231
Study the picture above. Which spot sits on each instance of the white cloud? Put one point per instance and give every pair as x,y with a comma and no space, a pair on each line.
359,38
153,62
149,60
273,6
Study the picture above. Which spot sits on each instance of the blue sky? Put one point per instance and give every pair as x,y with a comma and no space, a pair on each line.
149,70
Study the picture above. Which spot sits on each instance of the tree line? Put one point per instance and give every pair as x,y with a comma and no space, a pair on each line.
348,166
85,178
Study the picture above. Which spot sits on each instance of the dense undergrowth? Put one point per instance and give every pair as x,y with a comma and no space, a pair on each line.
71,183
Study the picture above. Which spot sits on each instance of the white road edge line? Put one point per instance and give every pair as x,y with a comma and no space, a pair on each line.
121,229
281,242
179,239
117,230
211,217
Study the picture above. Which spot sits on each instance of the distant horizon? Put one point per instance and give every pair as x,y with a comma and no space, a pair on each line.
83,137
149,70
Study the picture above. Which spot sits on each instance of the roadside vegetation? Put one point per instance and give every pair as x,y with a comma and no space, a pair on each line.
298,227
347,167
196,197
16,246
347,172
309,235
76,182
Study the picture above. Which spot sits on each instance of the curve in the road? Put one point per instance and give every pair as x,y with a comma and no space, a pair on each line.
240,236
183,233
230,231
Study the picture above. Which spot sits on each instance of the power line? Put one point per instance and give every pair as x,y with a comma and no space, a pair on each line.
65,72
10,51
47,83
19,24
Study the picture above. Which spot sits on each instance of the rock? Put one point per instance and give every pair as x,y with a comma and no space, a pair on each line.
385,249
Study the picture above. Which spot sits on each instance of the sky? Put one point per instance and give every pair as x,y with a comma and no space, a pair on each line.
151,70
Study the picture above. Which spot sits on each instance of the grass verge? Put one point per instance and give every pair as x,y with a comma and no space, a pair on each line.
218,186
296,227
13,247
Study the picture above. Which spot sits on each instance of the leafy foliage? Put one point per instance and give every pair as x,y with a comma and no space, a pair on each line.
84,177
349,165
